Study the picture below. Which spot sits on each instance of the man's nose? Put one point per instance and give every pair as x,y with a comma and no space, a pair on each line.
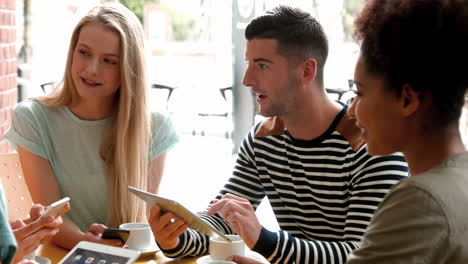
248,78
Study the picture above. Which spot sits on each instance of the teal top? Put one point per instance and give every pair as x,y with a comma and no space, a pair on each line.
72,147
7,239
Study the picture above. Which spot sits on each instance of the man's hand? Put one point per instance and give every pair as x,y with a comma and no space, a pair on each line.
94,234
240,214
243,260
166,227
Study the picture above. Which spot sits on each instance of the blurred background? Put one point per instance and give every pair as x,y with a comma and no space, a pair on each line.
196,58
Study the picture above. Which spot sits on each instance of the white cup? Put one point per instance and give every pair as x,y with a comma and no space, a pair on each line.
221,249
30,256
141,238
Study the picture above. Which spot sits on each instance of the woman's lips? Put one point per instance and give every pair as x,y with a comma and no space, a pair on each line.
89,83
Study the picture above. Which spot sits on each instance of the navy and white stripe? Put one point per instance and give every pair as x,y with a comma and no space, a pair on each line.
323,194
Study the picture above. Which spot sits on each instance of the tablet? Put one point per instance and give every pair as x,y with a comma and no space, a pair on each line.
93,253
168,205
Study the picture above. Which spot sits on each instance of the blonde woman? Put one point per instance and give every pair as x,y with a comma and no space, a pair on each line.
94,136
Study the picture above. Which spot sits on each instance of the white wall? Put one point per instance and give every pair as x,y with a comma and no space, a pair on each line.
464,123
52,22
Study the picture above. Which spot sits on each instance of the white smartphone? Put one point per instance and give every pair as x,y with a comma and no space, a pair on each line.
55,208
93,253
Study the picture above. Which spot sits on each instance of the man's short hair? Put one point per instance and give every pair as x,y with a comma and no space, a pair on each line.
299,35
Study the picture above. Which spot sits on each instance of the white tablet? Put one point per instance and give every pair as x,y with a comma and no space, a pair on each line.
168,205
93,253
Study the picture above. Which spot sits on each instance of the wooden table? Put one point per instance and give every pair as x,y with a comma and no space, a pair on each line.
55,254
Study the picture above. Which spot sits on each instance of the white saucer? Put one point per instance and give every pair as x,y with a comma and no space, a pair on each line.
250,254
42,260
151,250
206,260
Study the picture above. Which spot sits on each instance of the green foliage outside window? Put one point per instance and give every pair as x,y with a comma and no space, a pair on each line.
182,28
137,6
350,9
182,25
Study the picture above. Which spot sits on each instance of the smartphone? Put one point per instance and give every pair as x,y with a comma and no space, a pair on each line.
55,208
116,233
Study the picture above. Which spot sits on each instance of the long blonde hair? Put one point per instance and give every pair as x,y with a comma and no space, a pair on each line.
124,147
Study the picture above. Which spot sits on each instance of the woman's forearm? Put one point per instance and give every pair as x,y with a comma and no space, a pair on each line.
69,234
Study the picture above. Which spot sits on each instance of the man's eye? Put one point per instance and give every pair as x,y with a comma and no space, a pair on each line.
263,66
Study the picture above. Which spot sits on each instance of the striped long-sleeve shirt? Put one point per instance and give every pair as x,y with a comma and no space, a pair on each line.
323,191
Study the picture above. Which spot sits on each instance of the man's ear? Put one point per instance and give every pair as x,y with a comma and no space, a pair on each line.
410,100
309,70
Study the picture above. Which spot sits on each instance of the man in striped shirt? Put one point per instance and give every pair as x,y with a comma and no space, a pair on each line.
307,157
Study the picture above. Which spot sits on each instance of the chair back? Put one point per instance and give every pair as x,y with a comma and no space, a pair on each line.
47,87
19,201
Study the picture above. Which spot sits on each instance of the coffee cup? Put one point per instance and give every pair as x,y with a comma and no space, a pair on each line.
30,256
140,238
221,249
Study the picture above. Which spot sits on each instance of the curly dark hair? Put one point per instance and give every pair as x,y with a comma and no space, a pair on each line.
299,35
423,43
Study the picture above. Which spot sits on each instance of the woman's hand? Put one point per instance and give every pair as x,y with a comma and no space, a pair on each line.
37,210
94,234
31,233
30,236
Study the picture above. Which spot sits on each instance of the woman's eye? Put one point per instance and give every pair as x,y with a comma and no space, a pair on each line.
356,91
109,61
83,52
